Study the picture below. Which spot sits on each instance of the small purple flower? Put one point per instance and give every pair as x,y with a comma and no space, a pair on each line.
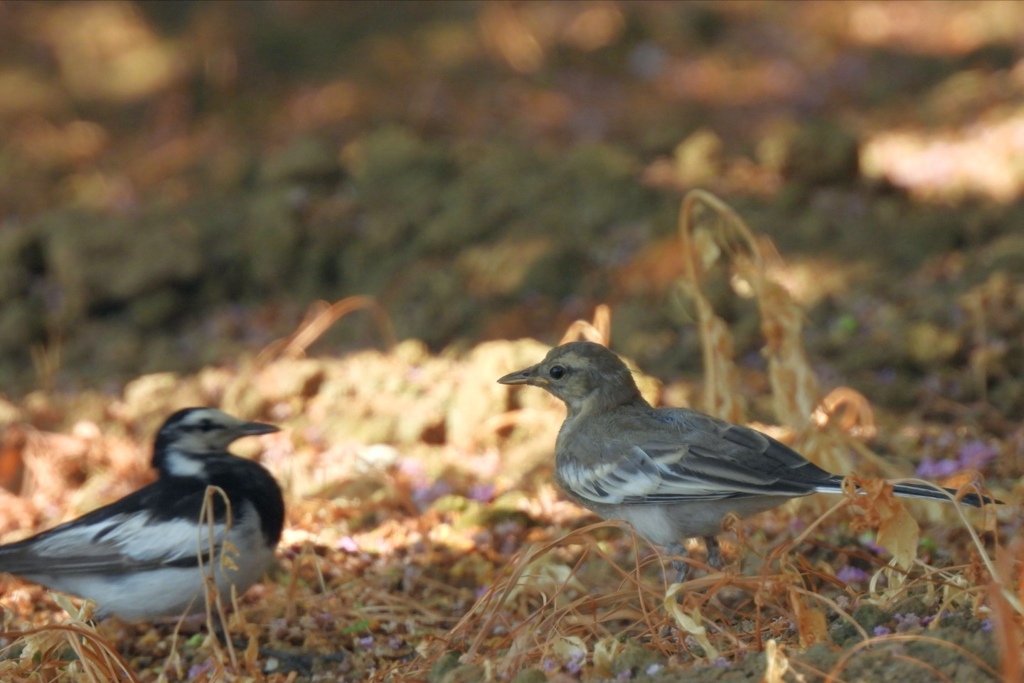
197,670
907,622
348,544
882,631
850,574
975,454
655,668
423,496
550,664
986,625
932,469
722,662
575,663
624,675
366,642
871,545
482,493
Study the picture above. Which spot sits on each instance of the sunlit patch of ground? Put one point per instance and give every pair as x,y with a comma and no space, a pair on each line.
981,159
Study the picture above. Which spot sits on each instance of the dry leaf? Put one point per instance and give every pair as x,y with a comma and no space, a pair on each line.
689,622
810,622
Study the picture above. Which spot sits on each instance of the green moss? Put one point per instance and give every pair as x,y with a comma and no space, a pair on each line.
399,183
870,616
448,662
530,676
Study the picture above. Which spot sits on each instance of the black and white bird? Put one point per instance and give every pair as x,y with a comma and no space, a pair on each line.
673,473
137,558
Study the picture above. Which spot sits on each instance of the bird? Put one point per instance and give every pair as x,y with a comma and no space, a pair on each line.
673,473
138,557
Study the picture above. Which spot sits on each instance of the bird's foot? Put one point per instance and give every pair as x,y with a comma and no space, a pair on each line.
681,566
715,560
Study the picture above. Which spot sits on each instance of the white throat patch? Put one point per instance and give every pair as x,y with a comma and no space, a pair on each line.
181,465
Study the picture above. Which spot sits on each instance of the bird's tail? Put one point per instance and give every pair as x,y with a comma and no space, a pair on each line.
926,491
936,493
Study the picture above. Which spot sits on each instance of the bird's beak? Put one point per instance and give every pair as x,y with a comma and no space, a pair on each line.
256,428
527,376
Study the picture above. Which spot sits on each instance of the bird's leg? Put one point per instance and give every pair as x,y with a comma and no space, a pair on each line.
680,565
220,631
715,560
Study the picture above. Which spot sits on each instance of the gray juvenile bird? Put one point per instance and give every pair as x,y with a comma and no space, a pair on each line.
672,473
137,557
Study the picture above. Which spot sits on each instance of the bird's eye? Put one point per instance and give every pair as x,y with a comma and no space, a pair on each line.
557,372
207,425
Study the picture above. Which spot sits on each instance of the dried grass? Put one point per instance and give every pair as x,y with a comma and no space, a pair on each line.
396,572
318,319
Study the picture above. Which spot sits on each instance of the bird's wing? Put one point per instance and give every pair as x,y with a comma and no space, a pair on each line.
125,542
692,457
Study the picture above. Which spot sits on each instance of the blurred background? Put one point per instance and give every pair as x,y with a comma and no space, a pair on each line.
183,184
180,181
